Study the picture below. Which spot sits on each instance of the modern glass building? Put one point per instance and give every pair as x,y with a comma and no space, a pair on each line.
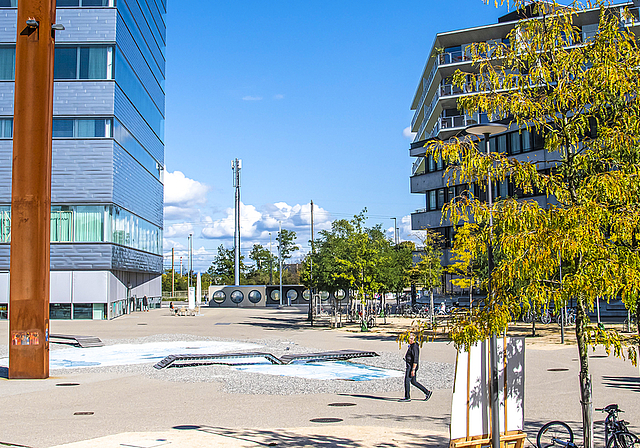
108,155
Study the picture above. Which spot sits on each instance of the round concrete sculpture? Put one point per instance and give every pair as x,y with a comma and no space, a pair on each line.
255,296
292,294
219,296
237,296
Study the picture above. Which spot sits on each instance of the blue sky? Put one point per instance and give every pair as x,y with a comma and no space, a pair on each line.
313,96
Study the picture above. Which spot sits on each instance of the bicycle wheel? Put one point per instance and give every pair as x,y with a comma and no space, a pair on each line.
571,319
545,318
552,432
623,440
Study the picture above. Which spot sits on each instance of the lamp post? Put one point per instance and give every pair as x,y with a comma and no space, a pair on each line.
487,130
395,227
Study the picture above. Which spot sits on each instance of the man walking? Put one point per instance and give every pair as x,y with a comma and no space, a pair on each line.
412,359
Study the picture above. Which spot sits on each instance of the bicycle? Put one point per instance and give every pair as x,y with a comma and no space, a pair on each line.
617,435
555,433
569,317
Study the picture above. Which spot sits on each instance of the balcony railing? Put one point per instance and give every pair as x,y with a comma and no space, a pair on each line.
453,57
416,165
458,121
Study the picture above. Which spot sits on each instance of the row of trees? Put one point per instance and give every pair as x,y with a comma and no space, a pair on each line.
360,259
264,270
582,97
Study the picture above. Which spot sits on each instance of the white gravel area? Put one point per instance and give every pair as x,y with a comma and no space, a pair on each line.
432,375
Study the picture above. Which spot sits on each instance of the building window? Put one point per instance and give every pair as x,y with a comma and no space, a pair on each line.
83,3
61,225
94,224
6,127
7,63
82,127
59,311
83,63
83,310
431,202
8,3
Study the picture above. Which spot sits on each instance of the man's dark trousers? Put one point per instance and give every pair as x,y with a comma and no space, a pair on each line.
409,380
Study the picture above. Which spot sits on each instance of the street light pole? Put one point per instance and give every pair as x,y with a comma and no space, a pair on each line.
486,130
395,234
280,258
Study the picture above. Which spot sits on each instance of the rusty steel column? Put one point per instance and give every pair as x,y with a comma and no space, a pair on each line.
31,191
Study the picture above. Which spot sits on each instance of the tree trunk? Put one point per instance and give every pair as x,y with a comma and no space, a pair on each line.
585,378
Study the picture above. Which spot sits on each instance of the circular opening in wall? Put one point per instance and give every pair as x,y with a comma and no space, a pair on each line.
275,295
340,294
237,296
219,296
67,384
341,405
557,369
83,413
186,427
292,294
306,294
255,296
326,420
324,296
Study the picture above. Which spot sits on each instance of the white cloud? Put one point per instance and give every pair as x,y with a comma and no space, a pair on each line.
278,96
406,132
257,223
251,98
182,196
181,191
178,230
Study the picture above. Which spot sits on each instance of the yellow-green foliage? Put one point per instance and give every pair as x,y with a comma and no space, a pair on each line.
549,80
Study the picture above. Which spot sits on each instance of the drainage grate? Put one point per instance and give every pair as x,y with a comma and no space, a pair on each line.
67,384
83,413
598,356
557,369
142,324
341,405
326,420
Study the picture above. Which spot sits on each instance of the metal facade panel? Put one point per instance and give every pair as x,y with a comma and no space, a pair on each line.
132,260
90,287
135,189
6,150
60,289
85,256
82,171
81,25
132,54
8,22
6,97
84,98
134,122
87,25
147,33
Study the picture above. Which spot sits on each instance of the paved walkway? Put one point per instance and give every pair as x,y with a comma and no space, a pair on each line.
136,411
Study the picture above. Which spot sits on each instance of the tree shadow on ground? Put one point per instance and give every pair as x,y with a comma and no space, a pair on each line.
288,437
622,382
370,397
279,324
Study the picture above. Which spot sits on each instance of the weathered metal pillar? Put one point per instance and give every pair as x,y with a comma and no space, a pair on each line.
31,191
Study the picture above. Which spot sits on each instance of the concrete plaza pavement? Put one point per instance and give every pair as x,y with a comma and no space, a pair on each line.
137,411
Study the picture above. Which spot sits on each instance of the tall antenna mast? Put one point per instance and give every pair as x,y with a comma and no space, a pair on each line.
236,165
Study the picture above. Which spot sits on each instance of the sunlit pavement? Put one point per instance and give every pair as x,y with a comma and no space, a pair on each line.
115,409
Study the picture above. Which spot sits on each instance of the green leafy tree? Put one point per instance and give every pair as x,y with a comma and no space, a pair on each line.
286,241
582,98
258,273
397,262
428,271
222,270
